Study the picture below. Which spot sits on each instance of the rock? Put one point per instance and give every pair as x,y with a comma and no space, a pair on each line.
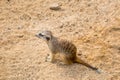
20,36
55,6
8,0
9,28
19,27
116,29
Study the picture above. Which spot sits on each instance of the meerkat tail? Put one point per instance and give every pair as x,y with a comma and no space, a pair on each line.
87,65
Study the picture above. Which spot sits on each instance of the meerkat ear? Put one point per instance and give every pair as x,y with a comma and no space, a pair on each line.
47,38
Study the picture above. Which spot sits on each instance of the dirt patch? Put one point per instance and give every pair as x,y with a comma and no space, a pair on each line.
92,25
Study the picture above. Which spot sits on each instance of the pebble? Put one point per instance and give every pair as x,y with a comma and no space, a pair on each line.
8,0
20,36
55,6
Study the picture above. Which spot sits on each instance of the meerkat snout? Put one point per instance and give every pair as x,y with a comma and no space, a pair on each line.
38,35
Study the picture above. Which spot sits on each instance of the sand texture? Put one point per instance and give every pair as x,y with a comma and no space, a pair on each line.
92,25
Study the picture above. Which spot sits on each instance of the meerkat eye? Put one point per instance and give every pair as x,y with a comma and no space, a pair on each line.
41,34
47,38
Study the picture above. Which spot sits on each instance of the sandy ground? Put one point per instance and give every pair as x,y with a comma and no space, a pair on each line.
92,25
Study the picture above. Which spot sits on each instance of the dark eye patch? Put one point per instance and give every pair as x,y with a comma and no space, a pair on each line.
47,38
41,34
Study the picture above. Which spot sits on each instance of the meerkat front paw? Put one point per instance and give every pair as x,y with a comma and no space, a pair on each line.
49,58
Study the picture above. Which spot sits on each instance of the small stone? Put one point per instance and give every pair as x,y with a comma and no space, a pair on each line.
20,36
76,32
19,27
115,29
95,35
60,30
90,27
1,58
39,62
119,48
9,28
61,26
55,6
8,0
87,41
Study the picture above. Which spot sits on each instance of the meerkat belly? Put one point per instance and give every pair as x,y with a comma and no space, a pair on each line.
54,46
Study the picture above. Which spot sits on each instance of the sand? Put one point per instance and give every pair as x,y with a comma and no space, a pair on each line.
92,25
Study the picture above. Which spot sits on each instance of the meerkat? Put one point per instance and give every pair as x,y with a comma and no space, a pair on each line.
66,49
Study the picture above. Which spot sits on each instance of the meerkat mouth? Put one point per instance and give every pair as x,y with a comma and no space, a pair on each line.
37,36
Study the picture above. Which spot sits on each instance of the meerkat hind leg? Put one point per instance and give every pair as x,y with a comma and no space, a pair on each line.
66,59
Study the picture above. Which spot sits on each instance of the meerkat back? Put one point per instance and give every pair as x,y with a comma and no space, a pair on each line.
67,47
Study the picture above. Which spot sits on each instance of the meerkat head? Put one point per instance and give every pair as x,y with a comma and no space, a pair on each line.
45,35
